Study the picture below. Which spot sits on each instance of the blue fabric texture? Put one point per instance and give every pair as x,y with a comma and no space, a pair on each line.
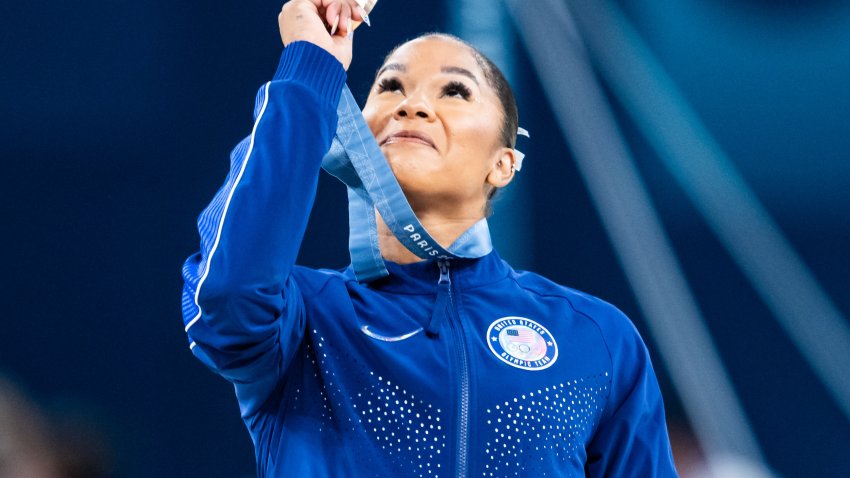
461,367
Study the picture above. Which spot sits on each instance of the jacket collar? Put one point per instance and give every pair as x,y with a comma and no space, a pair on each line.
421,277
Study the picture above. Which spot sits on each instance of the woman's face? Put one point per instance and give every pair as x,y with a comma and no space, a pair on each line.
438,123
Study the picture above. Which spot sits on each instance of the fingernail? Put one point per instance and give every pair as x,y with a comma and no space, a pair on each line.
336,24
350,30
365,16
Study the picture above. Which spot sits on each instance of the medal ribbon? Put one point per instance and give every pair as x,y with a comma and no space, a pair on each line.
356,159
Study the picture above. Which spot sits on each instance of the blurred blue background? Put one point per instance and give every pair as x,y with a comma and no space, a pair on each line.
117,121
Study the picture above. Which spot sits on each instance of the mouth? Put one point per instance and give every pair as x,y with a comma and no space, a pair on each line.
408,136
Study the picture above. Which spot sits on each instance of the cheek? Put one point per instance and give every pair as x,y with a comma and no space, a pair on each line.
478,127
377,112
473,143
373,118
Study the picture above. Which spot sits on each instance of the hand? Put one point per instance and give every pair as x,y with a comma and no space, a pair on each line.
314,20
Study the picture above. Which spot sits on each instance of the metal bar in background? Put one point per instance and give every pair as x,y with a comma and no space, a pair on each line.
719,191
635,229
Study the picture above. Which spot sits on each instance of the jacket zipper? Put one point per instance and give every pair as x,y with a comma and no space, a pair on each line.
459,344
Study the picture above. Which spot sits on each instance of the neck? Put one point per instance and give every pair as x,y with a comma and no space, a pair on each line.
445,230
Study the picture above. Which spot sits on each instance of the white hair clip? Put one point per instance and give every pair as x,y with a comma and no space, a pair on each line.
517,153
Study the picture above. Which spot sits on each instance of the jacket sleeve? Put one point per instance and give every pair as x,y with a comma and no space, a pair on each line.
242,311
631,439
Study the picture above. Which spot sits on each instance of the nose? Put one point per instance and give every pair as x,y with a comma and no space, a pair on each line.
414,107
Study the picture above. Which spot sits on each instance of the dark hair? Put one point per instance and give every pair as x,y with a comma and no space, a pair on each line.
500,85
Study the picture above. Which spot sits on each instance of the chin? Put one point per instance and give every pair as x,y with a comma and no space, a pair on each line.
413,180
409,165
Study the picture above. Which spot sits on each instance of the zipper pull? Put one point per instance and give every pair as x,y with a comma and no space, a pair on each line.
445,278
443,293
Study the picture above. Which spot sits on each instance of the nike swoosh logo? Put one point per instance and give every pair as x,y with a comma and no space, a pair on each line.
386,338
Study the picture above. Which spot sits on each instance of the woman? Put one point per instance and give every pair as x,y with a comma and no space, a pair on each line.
443,368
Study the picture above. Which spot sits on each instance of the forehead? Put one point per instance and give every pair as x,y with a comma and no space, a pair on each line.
435,53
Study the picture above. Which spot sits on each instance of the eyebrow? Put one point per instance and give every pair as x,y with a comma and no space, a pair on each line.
460,71
446,69
392,66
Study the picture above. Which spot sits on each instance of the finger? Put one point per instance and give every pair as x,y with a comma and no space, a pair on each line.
302,5
345,20
332,16
358,13
316,4
292,12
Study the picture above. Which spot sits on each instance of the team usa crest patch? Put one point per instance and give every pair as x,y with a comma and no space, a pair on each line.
522,343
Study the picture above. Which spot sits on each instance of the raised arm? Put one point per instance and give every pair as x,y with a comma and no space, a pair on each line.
241,310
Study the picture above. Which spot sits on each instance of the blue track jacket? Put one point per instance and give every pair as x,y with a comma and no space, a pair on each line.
458,369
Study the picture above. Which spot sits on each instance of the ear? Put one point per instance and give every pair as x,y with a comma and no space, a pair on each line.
502,171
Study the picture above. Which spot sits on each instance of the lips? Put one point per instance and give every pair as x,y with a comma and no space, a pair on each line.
409,136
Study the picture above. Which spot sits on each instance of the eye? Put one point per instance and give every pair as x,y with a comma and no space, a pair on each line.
456,89
390,84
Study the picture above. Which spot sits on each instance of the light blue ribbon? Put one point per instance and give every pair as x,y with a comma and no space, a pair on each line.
356,159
